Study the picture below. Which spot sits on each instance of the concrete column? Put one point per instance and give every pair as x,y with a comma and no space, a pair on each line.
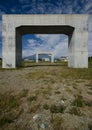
8,49
37,57
52,58
78,49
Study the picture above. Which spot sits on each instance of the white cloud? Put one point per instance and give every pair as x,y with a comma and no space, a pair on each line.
31,43
49,39
61,49
56,43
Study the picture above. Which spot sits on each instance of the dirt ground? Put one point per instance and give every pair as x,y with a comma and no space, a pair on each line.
46,97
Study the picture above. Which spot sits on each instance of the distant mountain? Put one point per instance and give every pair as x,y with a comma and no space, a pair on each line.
32,57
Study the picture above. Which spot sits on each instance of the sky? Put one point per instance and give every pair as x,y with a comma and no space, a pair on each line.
47,42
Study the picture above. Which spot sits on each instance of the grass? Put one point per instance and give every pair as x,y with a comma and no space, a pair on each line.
90,126
64,73
57,92
36,75
78,102
45,92
57,108
34,107
76,73
88,103
6,119
75,111
46,106
23,93
8,101
8,104
32,98
56,122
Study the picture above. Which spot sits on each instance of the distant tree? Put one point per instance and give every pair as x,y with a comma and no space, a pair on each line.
90,58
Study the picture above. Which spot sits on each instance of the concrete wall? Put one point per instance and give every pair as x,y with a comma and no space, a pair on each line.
74,25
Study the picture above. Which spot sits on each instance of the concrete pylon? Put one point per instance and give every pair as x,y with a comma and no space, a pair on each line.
36,57
52,58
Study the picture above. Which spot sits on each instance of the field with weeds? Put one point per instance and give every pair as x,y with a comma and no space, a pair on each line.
46,96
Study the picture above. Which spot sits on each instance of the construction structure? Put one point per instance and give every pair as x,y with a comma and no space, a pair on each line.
75,26
48,53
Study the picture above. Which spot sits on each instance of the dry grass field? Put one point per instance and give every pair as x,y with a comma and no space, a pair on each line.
46,97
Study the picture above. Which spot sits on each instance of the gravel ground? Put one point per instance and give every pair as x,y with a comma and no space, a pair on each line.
47,97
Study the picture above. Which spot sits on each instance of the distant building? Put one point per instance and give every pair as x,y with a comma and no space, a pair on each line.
64,58
26,59
46,59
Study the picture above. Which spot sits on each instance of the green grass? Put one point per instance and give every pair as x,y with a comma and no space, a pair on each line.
90,126
78,101
8,101
8,104
57,108
32,98
56,121
23,93
61,73
46,106
76,73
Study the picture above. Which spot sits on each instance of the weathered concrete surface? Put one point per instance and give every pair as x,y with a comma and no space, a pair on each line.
49,53
73,25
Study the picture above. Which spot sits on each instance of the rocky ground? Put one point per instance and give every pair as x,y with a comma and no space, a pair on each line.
46,98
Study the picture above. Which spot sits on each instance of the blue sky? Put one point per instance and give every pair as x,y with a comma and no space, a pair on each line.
56,43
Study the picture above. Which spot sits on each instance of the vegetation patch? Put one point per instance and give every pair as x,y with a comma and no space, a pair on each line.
57,92
47,90
78,102
56,121
75,111
32,98
57,109
8,101
46,106
23,93
34,107
90,126
8,106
